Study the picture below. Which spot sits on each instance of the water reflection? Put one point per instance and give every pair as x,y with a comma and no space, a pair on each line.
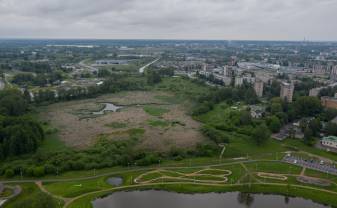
246,199
108,107
162,199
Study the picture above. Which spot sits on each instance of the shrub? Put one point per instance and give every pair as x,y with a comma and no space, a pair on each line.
39,171
9,173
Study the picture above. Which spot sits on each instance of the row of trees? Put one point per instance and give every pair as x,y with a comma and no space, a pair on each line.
37,67
37,80
304,106
104,154
112,84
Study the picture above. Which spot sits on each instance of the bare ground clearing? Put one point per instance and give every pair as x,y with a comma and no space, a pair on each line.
80,132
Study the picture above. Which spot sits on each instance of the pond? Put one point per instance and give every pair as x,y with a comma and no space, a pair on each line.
108,107
115,181
163,199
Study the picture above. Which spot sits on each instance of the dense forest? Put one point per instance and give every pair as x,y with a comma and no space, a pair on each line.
19,133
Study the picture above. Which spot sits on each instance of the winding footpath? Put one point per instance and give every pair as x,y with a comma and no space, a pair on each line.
69,201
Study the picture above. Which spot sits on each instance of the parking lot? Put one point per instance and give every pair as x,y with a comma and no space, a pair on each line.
311,164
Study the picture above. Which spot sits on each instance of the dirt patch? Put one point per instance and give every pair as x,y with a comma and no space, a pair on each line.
272,176
313,181
80,132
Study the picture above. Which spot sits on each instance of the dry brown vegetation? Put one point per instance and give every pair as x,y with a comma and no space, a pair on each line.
78,128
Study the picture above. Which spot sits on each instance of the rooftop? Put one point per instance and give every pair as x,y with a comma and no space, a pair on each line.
330,138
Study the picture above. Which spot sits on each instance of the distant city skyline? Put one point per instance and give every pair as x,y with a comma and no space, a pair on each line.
293,20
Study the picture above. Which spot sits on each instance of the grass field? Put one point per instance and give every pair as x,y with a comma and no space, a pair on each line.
302,147
274,167
141,109
29,192
155,111
117,125
52,143
72,189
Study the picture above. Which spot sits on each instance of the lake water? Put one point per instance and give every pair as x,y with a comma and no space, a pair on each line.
108,107
163,199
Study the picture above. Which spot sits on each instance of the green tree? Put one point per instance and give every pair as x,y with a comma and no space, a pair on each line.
274,124
9,173
38,171
245,118
308,136
12,103
315,126
152,77
307,106
331,129
261,134
37,200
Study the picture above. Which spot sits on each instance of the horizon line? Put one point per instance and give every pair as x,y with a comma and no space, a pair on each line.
164,39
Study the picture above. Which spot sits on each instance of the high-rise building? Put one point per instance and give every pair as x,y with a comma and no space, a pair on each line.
287,91
258,87
227,71
238,81
333,73
314,92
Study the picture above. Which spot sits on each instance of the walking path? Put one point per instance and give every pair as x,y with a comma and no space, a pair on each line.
221,177
42,188
150,183
303,171
131,170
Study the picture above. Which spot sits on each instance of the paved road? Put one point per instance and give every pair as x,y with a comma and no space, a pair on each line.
141,70
84,65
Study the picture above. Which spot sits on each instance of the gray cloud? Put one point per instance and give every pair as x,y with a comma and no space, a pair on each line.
179,19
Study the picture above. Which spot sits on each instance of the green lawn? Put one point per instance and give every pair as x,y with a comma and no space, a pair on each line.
242,145
221,114
155,111
318,174
29,193
72,189
182,87
313,150
117,125
52,143
273,167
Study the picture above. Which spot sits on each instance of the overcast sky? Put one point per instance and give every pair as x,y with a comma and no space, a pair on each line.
170,19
